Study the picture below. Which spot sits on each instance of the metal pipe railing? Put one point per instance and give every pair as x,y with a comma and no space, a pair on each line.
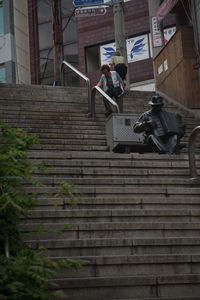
97,88
191,152
65,63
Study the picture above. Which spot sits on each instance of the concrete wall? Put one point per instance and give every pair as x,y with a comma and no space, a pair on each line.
14,43
21,41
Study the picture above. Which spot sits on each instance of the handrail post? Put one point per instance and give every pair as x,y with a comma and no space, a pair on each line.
89,96
191,152
81,75
92,108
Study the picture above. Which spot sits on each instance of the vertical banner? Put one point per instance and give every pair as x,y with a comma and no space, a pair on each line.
156,33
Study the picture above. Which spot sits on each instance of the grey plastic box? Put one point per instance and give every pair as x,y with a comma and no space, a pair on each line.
119,131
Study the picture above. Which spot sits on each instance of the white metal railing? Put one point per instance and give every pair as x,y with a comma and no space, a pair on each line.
92,107
65,63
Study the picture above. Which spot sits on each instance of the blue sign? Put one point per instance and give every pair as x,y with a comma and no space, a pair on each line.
87,2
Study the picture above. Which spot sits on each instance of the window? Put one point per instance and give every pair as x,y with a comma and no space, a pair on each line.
1,18
92,59
2,74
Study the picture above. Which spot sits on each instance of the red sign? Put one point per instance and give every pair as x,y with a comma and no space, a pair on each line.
165,8
90,12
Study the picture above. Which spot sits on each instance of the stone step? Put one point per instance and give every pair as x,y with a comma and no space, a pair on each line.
116,246
70,147
69,130
131,161
117,164
98,172
125,202
66,122
62,118
134,265
75,216
91,140
121,191
162,298
39,89
131,158
47,112
110,229
70,136
46,126
78,129
131,286
114,180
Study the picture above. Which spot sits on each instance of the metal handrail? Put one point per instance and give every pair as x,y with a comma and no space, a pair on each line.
97,88
82,76
191,152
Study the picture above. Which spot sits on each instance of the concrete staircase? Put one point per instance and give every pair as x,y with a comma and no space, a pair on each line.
137,219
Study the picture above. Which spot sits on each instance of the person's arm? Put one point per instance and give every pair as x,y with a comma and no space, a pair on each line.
100,84
123,86
141,124
121,81
139,127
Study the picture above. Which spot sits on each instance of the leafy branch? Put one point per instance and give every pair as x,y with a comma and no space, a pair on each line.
24,273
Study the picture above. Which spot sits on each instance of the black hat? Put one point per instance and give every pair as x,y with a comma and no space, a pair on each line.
156,101
117,53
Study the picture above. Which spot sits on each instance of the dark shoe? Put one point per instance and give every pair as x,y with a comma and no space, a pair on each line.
108,112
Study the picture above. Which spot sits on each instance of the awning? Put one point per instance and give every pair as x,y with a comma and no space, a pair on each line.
165,8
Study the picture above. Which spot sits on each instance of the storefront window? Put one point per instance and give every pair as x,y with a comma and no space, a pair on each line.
2,74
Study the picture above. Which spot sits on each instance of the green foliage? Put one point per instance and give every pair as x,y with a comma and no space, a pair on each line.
28,275
24,273
15,168
67,191
25,276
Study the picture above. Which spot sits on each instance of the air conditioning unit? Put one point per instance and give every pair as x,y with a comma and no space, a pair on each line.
120,135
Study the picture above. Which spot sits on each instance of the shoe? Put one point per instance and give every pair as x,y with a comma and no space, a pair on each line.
108,112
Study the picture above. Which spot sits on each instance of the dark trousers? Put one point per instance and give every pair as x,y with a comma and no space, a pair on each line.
118,99
168,144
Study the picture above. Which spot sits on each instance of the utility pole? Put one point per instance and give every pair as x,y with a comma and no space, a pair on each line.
197,14
57,40
120,38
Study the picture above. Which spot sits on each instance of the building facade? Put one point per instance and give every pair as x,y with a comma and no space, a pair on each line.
14,42
86,41
96,41
177,65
